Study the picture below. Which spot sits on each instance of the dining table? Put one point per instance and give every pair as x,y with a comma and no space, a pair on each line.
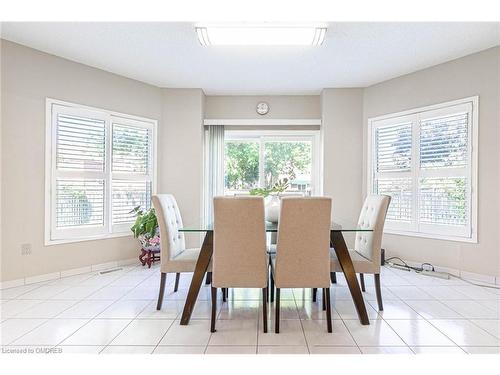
337,242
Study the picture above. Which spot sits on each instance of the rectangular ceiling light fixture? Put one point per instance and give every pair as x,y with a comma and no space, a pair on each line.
260,35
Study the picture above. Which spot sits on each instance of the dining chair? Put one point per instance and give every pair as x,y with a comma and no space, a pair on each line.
271,247
174,256
302,251
366,253
239,257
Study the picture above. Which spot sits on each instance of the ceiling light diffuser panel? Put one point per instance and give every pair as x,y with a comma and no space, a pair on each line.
260,35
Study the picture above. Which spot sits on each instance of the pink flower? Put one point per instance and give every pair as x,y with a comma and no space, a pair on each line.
155,240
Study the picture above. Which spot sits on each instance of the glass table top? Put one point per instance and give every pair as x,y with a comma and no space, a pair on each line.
273,227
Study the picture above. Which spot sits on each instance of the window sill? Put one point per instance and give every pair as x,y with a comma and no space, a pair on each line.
49,242
431,236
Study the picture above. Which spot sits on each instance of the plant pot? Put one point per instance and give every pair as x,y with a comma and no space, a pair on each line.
272,205
149,242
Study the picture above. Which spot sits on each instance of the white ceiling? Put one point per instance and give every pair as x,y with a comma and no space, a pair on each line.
167,54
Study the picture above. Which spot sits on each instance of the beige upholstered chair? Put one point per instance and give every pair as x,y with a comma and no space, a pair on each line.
366,254
302,250
174,257
239,259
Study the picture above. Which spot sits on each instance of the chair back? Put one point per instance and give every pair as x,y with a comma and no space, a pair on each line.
302,250
239,259
172,241
372,216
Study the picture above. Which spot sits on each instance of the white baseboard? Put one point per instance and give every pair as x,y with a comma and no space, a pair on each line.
76,271
66,273
11,283
104,266
127,262
477,277
41,278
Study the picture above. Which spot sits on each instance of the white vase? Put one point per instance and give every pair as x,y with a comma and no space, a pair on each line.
272,208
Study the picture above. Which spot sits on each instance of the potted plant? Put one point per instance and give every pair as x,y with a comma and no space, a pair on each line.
146,229
272,198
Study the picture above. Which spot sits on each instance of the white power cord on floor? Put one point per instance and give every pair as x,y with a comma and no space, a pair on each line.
407,267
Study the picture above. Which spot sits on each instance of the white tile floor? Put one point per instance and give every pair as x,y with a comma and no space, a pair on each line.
116,313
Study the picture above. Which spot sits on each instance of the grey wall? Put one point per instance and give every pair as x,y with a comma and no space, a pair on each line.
477,74
281,107
28,78
342,133
180,148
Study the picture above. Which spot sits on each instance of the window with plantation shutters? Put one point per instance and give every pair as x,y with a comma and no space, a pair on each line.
100,165
425,159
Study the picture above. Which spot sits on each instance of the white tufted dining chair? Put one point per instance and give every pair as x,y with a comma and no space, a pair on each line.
366,254
174,256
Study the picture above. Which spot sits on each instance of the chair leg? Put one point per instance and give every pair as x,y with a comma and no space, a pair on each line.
333,277
362,282
162,290
315,294
224,291
272,287
265,296
324,300
270,275
328,310
277,307
268,297
177,277
214,308
378,291
208,278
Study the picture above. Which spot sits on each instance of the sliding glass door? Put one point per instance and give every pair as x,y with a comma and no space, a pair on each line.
256,159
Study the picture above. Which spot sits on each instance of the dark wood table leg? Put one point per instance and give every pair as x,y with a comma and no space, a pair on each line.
345,261
199,272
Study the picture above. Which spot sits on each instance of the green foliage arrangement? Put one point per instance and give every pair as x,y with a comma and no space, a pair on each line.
146,222
280,158
279,187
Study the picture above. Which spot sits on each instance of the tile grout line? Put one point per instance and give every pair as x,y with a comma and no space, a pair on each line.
168,329
478,326
302,325
129,323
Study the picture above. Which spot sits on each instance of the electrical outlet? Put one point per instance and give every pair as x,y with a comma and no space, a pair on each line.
26,249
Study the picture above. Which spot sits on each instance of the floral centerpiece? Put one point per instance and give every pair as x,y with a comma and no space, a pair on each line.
146,229
272,199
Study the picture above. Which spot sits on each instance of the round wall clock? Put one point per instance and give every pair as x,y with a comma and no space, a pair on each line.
262,108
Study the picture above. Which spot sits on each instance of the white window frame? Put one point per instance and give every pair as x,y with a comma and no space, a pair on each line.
284,135
54,236
416,229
